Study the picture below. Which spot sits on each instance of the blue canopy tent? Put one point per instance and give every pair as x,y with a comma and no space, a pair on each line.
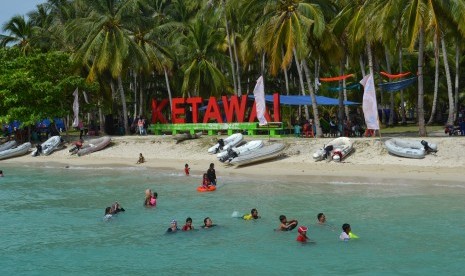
296,100
305,100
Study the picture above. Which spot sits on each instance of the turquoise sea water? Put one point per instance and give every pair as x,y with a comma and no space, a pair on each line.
51,224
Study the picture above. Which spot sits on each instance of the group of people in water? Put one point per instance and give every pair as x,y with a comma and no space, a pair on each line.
285,224
209,178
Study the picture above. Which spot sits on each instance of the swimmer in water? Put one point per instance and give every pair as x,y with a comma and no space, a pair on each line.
253,215
345,235
188,226
286,225
302,237
208,223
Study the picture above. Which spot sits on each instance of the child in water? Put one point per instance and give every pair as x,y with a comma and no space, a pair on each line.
205,181
186,169
286,225
345,235
108,214
153,199
1,173
253,215
188,226
302,237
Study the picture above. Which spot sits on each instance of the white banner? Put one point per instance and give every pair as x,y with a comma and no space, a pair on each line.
76,108
259,94
370,108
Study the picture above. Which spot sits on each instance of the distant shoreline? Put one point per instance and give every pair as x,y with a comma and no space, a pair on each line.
369,161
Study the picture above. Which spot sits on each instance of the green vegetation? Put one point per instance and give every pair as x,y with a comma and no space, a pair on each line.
125,52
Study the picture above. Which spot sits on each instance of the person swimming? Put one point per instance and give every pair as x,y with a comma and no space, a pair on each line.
116,208
208,223
253,215
188,226
321,218
173,227
286,225
345,235
108,214
302,237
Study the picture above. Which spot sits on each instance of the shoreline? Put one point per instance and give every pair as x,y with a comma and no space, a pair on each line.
370,159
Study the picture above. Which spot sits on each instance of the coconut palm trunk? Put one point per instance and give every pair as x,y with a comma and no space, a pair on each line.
233,70
341,99
421,95
450,118
238,67
316,116
402,101
301,81
457,74
436,78
123,103
391,94
168,88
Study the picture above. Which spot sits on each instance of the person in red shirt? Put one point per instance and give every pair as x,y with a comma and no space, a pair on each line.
205,181
302,237
188,226
187,169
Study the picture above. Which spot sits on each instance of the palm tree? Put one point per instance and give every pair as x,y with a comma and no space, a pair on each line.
106,45
420,16
201,48
285,26
19,33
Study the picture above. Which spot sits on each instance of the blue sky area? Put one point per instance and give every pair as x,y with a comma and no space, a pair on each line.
9,8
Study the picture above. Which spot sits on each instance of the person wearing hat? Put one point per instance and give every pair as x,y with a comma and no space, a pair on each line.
173,227
302,237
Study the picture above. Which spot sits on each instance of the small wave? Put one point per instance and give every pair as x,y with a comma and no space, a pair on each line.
368,183
102,168
449,185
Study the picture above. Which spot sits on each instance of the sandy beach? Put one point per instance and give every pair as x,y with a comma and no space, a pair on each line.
370,159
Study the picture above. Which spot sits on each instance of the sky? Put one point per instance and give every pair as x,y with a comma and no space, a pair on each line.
9,8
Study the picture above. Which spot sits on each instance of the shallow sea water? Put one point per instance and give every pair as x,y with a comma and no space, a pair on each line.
51,224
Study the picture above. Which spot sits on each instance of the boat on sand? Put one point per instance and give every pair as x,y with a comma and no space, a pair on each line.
337,150
225,144
260,154
94,145
409,148
13,152
237,151
48,146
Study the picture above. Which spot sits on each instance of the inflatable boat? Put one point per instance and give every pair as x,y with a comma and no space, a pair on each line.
260,154
225,144
237,151
337,150
18,151
48,146
94,145
409,148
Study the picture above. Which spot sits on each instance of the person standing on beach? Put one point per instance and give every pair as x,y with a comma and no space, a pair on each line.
186,169
211,174
140,124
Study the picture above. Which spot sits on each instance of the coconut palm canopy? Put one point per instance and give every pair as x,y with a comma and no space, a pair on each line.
135,50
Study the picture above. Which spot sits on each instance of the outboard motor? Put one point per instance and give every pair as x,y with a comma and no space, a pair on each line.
232,154
39,150
221,143
427,147
328,150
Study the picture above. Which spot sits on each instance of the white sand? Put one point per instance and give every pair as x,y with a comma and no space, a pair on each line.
369,160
